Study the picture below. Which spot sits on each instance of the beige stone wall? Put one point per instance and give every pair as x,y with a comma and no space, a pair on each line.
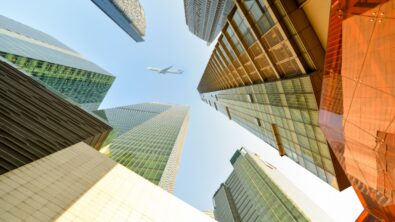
80,184
317,11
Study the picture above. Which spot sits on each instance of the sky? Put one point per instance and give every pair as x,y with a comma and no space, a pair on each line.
212,138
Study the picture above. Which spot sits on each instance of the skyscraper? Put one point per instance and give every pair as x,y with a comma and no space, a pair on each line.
128,14
35,122
265,73
256,191
52,63
148,138
205,18
357,109
50,169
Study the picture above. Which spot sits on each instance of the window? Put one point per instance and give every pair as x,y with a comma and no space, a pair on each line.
258,121
260,16
250,98
229,48
264,24
215,105
39,64
13,59
238,48
328,165
228,112
256,12
243,28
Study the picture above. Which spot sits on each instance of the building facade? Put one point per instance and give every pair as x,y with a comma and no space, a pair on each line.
209,213
35,122
51,170
265,73
357,108
127,14
256,191
205,19
53,64
80,184
148,138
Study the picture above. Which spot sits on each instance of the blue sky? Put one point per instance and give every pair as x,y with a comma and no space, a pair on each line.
212,138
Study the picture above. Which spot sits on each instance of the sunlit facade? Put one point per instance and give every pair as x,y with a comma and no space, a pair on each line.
35,122
357,110
127,14
148,138
265,73
52,63
51,169
256,191
80,184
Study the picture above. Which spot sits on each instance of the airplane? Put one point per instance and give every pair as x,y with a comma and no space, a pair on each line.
166,70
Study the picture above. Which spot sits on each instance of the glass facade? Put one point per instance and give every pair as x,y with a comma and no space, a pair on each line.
250,195
53,64
125,118
357,110
266,74
224,205
285,115
148,139
205,19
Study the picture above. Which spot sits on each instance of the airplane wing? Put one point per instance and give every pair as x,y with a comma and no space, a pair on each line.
165,70
154,69
177,71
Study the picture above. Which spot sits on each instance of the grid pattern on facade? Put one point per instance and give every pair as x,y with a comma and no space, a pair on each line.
146,148
134,12
262,42
358,99
19,39
290,107
125,118
53,64
9,24
205,18
224,206
256,196
74,183
265,73
83,87
148,138
35,122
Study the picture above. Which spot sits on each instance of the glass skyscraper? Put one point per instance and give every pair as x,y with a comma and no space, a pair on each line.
51,170
54,64
148,138
265,73
127,14
256,191
205,19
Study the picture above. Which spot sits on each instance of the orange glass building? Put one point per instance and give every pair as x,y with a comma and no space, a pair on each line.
357,110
